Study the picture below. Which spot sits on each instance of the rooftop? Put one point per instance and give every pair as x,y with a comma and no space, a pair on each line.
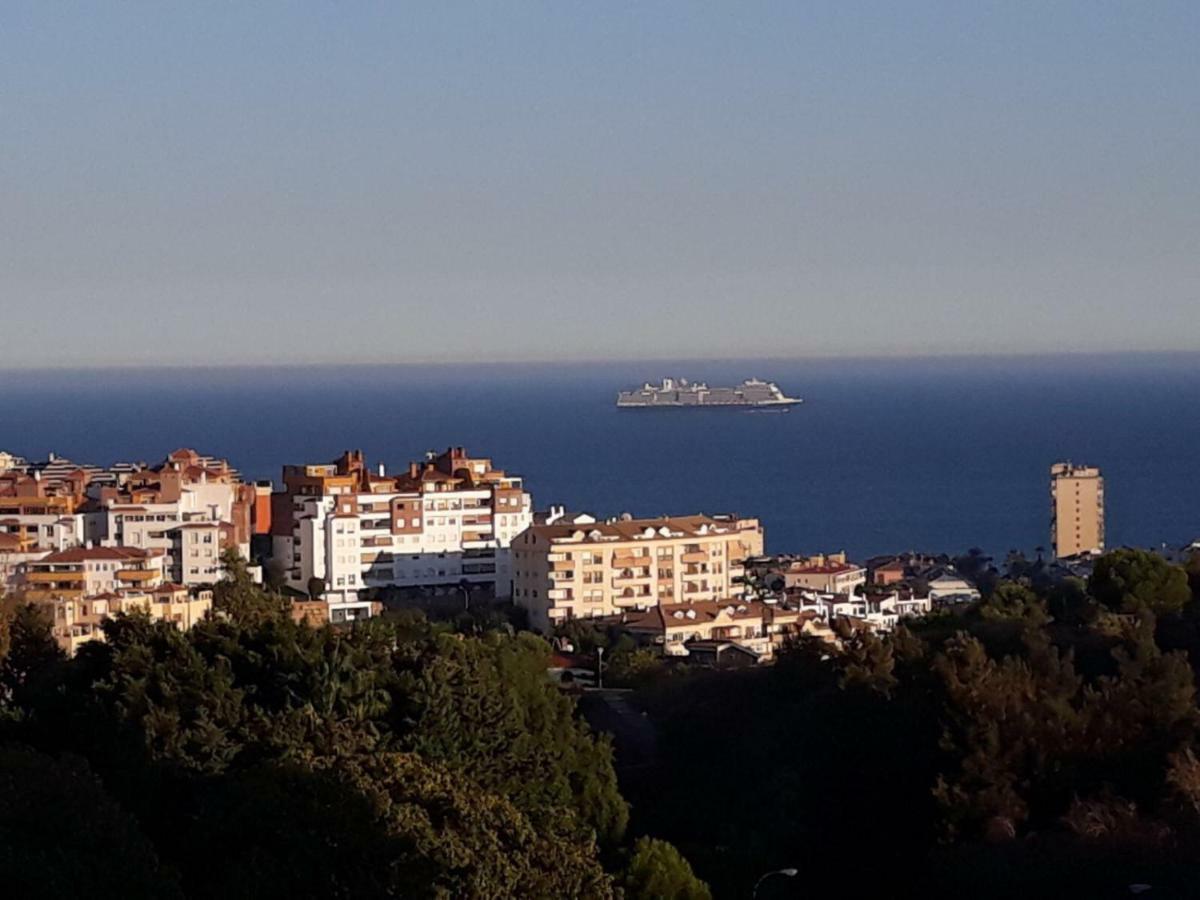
642,529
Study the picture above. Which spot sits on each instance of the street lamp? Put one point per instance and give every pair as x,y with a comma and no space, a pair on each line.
790,873
600,668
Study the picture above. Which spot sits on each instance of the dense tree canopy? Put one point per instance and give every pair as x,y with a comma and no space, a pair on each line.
1132,580
256,757
1021,747
657,871
1040,743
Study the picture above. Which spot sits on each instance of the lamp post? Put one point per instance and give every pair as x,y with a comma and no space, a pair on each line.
600,668
790,873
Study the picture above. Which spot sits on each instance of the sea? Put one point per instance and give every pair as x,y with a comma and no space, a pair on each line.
937,454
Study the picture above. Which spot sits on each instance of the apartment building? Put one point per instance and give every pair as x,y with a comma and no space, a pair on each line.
86,571
447,520
77,620
831,573
580,570
1077,509
191,507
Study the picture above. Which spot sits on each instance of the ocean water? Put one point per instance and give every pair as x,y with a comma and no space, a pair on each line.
884,455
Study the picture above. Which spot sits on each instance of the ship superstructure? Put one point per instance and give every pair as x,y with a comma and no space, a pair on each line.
681,393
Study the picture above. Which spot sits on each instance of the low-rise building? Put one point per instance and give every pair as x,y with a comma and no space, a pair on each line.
947,587
87,571
77,620
568,570
829,573
879,612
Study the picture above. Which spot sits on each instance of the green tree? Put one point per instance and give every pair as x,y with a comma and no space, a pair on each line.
657,871
485,707
27,645
1010,600
63,835
1128,580
633,665
237,595
1193,573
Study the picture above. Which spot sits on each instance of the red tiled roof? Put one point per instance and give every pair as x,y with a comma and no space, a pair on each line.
82,554
827,569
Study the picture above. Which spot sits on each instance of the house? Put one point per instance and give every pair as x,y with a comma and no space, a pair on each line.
832,574
947,587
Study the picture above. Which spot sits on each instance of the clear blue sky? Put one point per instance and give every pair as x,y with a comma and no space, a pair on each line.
329,182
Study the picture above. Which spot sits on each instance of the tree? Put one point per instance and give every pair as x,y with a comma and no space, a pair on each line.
1193,573
316,587
375,825
275,575
26,645
484,707
1010,600
657,871
240,598
63,835
629,666
1129,580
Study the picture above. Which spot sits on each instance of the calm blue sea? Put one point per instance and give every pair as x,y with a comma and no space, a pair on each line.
884,455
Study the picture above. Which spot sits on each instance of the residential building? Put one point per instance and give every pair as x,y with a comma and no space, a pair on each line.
1077,509
444,522
893,569
831,574
947,587
191,507
77,620
761,628
878,611
583,570
86,571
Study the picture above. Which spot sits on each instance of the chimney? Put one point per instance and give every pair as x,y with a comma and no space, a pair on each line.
414,469
382,470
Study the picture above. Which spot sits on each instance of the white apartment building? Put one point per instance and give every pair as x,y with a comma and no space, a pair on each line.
191,539
448,521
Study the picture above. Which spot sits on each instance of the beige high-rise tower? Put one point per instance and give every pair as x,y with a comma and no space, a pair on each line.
1077,503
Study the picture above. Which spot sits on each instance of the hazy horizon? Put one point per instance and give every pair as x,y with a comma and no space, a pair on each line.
553,182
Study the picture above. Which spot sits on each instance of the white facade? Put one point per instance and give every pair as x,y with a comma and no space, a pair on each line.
881,613
357,541
187,530
948,588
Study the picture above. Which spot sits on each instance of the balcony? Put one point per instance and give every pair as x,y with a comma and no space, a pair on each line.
43,576
50,593
630,562
562,565
629,575
559,594
694,556
137,575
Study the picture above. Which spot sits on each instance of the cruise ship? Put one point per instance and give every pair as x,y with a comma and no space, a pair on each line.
676,393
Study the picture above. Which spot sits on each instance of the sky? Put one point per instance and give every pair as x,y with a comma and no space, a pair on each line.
332,182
